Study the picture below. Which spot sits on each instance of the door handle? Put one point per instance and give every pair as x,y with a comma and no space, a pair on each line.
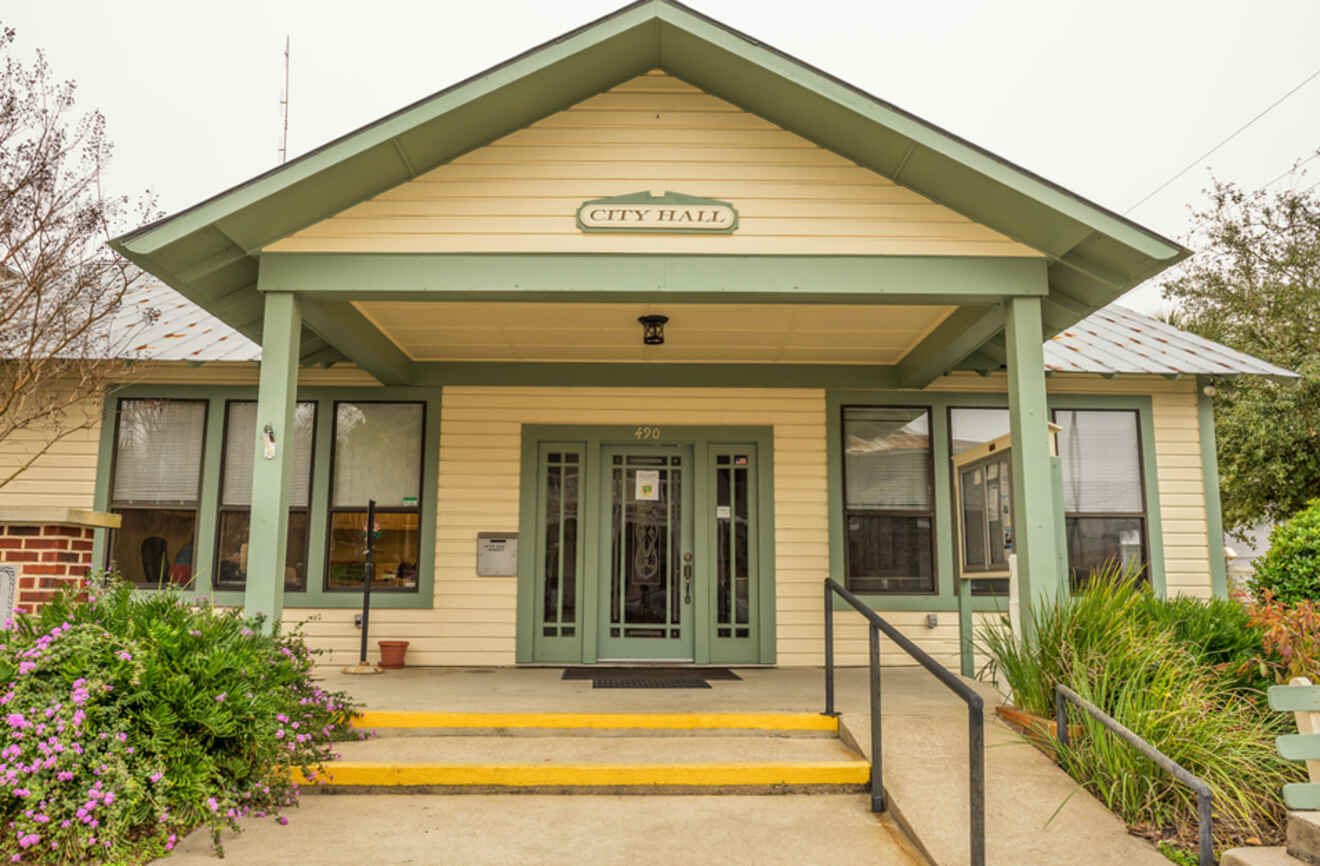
687,578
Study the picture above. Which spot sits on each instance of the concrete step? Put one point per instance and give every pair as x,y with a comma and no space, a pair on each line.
1304,836
421,723
1258,857
620,764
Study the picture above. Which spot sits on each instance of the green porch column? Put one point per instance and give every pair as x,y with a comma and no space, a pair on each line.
1035,517
271,472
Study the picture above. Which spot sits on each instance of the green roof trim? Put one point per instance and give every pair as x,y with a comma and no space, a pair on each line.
209,252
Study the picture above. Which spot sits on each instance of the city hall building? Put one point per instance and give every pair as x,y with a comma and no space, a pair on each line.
633,340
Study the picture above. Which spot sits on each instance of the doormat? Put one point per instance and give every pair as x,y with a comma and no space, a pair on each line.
644,683
651,674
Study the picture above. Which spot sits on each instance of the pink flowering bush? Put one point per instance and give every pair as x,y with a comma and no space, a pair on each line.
128,719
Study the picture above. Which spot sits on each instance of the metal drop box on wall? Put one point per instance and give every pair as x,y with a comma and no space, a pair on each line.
497,554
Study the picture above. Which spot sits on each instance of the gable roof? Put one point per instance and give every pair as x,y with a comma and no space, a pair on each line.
209,252
1112,340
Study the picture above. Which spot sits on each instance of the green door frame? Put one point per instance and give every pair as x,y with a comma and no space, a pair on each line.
590,440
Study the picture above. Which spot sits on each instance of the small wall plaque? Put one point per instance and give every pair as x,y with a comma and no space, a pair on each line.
497,554
644,212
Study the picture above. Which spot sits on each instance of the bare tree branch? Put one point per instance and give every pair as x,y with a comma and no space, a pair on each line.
61,287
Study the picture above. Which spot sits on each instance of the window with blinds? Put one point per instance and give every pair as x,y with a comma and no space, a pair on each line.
377,455
1104,498
156,477
888,500
236,495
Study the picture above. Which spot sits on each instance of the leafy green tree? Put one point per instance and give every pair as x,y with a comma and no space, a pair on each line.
1254,285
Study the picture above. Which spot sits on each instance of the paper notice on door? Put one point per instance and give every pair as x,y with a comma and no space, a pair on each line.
723,512
648,485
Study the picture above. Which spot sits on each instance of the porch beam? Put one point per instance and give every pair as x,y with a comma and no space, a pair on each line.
994,350
1035,515
917,280
272,474
341,325
622,374
961,334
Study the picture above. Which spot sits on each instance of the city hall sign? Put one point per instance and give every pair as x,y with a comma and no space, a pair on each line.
644,212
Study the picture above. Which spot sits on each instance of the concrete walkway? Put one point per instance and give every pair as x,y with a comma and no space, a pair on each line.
475,830
1035,814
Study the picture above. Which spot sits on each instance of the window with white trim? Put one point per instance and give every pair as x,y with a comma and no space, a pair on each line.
970,427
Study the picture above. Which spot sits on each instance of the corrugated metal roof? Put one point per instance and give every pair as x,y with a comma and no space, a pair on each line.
1117,340
160,324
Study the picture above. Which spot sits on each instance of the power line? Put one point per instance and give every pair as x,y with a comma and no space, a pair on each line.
1194,163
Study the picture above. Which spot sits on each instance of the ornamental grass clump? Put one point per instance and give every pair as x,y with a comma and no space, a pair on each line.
130,719
1178,677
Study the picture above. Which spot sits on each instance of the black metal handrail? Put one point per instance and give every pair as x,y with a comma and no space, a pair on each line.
975,709
1204,797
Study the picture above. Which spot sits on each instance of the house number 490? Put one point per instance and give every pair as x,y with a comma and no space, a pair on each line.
646,433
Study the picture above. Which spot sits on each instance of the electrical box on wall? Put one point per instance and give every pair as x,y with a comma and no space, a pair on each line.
497,554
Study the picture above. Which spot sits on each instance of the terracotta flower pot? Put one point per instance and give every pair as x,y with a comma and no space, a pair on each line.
392,653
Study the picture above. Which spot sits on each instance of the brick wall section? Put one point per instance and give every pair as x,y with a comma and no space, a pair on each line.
47,558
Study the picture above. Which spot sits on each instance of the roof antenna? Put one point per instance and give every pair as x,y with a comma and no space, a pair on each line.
284,106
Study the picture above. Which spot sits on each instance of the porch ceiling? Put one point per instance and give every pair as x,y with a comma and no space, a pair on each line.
712,333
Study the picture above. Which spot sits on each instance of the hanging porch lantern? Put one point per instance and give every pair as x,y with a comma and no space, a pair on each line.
653,329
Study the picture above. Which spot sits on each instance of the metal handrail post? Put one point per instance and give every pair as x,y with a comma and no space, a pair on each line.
1204,796
969,696
877,741
976,781
829,652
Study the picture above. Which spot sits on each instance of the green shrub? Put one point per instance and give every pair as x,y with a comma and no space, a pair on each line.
1221,633
1175,676
132,718
1290,569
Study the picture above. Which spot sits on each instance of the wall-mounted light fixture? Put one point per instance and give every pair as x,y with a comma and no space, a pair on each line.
653,329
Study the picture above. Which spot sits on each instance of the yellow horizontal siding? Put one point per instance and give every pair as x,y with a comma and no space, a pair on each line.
63,477
654,132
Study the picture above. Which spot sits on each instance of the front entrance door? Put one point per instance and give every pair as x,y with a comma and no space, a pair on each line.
646,554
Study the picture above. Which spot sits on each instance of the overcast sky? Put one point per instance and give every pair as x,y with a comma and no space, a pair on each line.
1108,99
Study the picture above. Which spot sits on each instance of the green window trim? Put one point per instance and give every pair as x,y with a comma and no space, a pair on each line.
315,596
1214,513
948,586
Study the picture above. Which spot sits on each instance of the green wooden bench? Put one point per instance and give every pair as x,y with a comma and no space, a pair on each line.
1303,700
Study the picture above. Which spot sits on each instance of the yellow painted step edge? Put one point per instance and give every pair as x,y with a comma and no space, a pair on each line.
363,773
603,721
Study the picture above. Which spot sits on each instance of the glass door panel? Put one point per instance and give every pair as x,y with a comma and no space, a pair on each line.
734,631
558,551
647,568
